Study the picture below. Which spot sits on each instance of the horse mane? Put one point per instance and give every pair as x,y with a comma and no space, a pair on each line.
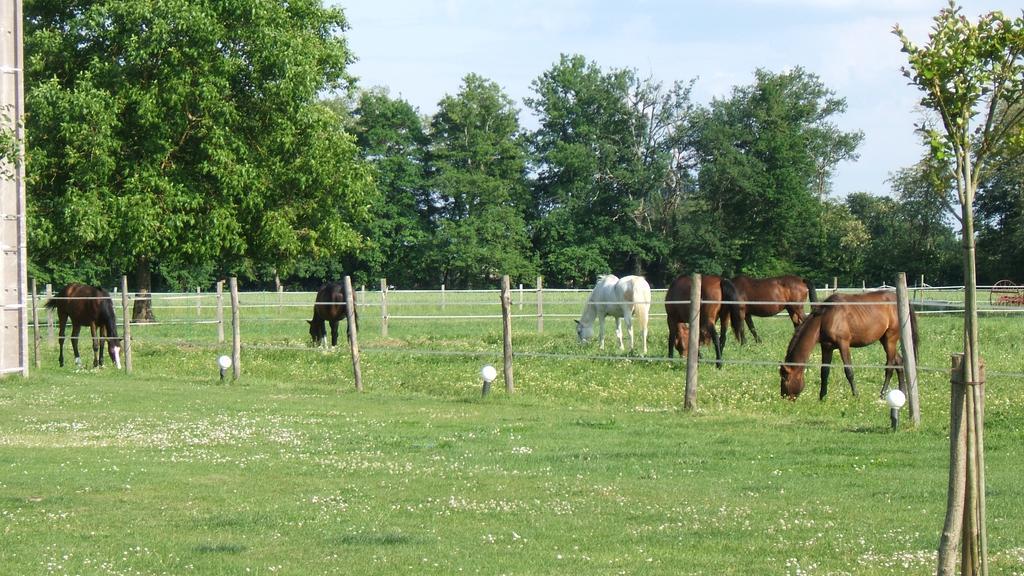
802,332
107,312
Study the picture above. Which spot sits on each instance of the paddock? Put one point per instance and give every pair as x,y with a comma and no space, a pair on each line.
589,465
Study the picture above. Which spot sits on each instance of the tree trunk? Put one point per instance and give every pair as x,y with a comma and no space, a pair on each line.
142,310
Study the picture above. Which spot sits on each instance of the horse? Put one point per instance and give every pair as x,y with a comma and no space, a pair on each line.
767,297
845,321
719,301
619,298
88,305
330,306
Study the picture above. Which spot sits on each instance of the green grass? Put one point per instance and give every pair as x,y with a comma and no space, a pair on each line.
591,467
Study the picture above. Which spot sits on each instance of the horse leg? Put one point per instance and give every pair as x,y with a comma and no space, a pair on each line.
750,324
796,316
844,353
334,333
826,367
892,362
719,344
627,321
600,333
63,324
94,332
75,329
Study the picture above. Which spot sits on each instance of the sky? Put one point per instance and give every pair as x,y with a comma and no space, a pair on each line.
422,49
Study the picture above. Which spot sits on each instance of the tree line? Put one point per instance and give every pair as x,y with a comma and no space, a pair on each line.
180,142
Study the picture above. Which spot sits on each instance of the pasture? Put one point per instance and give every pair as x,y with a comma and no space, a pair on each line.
590,467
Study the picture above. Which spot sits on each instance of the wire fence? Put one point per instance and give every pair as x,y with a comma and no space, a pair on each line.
413,318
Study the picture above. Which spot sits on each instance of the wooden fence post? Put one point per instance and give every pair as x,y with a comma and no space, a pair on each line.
693,345
506,315
353,338
127,319
540,304
199,302
220,311
35,327
236,330
907,344
443,301
520,296
384,307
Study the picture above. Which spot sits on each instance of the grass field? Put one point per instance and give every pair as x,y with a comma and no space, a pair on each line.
590,467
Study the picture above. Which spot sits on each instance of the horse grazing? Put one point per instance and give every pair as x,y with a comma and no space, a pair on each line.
845,321
766,297
619,298
330,306
87,305
718,302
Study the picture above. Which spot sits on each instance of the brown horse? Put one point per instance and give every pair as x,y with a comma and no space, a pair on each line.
766,297
329,307
87,305
845,321
718,302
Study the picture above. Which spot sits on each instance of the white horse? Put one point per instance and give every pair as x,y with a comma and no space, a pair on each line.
619,299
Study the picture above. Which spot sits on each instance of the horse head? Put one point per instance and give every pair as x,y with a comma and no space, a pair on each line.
682,339
114,350
791,382
316,331
584,331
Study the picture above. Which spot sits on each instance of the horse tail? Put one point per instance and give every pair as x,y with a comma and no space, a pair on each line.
812,293
731,306
52,303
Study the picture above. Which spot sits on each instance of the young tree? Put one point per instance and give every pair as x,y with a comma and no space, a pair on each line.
968,72
188,135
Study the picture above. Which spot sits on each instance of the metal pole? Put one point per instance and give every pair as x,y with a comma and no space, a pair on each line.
236,330
127,320
384,307
35,327
220,311
540,304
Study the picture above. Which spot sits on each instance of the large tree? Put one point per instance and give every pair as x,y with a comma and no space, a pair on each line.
390,133
187,136
605,151
766,155
477,172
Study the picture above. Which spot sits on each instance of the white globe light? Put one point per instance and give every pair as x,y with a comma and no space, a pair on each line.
489,373
224,362
896,398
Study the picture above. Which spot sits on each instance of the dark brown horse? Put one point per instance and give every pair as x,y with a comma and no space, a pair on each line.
718,302
329,307
87,305
841,322
766,297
